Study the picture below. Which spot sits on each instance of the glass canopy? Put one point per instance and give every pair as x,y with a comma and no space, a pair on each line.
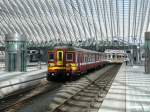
76,21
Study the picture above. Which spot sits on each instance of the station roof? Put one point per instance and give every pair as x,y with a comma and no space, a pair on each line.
76,21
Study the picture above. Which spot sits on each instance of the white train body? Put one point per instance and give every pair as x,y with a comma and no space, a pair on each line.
116,56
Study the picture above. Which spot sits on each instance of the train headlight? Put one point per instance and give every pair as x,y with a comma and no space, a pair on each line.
51,64
67,65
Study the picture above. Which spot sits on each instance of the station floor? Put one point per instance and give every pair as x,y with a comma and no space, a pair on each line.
130,91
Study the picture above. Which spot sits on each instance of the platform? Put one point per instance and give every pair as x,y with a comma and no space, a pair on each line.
130,91
11,78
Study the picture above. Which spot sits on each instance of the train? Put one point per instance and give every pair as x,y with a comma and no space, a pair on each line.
115,56
69,61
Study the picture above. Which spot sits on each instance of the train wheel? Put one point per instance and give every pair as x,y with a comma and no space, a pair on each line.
74,77
48,78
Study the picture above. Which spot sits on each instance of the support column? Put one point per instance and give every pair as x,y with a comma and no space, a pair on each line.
147,52
15,50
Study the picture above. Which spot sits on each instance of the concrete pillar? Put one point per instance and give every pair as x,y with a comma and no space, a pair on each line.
15,50
147,52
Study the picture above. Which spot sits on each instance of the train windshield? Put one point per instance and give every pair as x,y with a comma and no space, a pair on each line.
69,57
51,56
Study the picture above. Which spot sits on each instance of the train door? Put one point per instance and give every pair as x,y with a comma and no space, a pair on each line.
60,57
78,60
113,56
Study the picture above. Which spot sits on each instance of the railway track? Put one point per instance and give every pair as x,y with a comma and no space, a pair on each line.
89,98
86,93
15,100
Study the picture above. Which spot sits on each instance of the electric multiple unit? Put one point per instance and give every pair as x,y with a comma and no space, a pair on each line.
115,56
65,61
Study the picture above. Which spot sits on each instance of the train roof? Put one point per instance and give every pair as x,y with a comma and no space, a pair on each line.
77,49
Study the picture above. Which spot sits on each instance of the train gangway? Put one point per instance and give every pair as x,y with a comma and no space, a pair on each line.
130,91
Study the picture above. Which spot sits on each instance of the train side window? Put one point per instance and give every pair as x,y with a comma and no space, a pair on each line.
51,56
85,59
69,57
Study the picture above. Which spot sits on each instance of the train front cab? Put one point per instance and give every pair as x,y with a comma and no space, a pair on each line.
61,64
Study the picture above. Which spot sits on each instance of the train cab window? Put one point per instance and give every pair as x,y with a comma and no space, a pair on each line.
69,57
33,52
51,56
118,56
113,56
